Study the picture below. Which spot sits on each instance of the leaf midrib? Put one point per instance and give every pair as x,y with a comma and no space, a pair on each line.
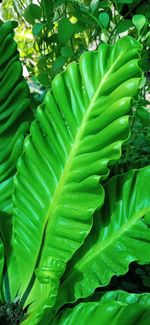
106,243
54,203
75,146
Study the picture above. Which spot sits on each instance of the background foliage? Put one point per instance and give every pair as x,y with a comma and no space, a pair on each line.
61,29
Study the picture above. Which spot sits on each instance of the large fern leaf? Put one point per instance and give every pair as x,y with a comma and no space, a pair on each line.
120,235
113,308
79,131
14,108
14,101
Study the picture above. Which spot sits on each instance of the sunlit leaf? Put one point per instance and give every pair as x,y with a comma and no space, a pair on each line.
79,130
114,307
14,107
32,12
139,21
94,4
120,235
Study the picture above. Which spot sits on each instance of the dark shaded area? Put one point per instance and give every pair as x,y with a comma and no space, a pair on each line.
136,280
10,314
127,10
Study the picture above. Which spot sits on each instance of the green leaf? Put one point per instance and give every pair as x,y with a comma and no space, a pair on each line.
6,29
42,62
144,115
14,103
48,8
67,51
124,297
10,261
94,4
6,232
65,30
79,130
37,29
104,19
78,27
124,25
32,12
44,79
139,21
119,236
113,308
1,266
58,64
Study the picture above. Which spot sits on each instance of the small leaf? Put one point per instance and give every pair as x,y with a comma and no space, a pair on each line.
44,79
58,64
94,4
48,8
32,12
144,115
139,21
142,82
124,25
67,51
79,27
65,30
104,19
42,62
37,29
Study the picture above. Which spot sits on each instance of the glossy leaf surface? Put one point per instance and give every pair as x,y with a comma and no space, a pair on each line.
120,235
1,264
14,101
79,131
114,308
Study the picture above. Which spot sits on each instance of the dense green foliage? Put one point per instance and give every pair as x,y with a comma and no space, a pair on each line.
14,101
110,308
75,173
64,29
